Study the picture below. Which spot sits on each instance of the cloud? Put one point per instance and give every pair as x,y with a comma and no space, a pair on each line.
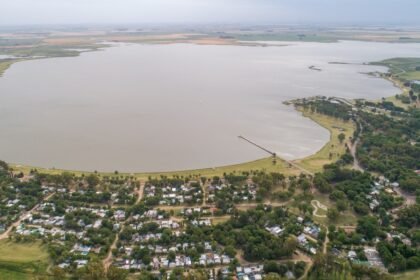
207,11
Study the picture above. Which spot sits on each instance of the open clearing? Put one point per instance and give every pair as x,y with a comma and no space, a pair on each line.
409,275
331,151
22,252
20,260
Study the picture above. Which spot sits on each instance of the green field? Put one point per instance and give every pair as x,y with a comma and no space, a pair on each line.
4,65
285,37
261,164
402,67
335,126
22,260
13,275
408,275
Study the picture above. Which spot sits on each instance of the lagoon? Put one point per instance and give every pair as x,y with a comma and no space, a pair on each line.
133,107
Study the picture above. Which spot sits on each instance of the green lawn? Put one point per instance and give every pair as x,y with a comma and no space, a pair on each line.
402,67
4,65
21,260
409,275
261,164
413,75
22,252
335,126
6,274
347,218
286,37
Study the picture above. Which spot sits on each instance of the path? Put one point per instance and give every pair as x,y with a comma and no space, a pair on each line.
308,260
326,241
298,167
239,206
316,204
408,200
205,195
276,157
140,192
22,217
108,259
348,229
353,151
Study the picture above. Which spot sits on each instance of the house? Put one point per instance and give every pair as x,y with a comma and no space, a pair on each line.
373,258
312,230
302,239
389,191
373,204
97,224
289,275
119,215
225,259
395,185
63,265
352,255
81,263
275,230
83,250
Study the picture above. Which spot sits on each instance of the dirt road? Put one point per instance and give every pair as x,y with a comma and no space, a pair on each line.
22,217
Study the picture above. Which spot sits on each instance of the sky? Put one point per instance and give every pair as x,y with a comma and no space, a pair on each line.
40,12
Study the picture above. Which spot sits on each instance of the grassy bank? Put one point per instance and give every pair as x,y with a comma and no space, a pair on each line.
408,275
403,68
332,150
261,164
400,71
22,260
4,65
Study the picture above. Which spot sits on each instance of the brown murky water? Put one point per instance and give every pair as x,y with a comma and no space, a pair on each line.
172,107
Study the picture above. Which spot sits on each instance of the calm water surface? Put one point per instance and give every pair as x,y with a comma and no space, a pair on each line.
172,107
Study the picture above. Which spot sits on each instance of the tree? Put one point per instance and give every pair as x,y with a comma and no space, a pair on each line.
93,271
341,137
368,226
322,184
270,267
341,205
333,214
290,245
273,276
4,165
399,263
58,273
115,273
145,275
230,251
92,180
